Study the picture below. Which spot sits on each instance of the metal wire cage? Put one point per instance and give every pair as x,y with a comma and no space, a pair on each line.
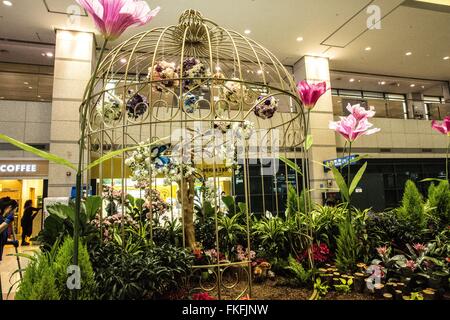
218,103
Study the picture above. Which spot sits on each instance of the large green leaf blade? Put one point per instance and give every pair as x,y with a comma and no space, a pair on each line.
357,179
341,183
92,204
116,153
41,154
309,142
291,164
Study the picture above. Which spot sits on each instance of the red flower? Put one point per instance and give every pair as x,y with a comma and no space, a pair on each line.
202,296
320,253
310,93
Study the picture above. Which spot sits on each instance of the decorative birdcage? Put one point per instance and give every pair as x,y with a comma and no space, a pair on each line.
217,107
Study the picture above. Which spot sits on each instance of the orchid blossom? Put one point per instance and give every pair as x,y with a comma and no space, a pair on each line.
351,128
311,93
443,128
360,112
113,17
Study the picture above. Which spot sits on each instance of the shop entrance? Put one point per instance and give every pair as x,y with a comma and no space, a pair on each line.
21,191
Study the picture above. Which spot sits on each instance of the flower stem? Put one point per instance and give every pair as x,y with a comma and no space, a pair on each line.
83,110
446,159
349,180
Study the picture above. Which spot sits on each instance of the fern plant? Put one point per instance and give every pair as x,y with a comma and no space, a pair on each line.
301,276
412,208
439,202
347,247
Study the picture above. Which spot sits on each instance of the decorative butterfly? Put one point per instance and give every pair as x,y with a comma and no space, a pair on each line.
157,154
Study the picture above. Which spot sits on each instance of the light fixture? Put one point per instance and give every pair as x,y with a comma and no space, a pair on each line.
7,3
260,71
446,58
218,69
49,54
300,39
123,60
382,83
368,48
423,87
352,80
248,31
38,96
30,87
408,53
26,83
412,85
1,98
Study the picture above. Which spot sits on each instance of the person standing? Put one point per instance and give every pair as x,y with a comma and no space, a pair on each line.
29,213
8,209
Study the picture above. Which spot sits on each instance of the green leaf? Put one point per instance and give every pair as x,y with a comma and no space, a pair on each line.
116,153
93,204
41,154
61,211
432,180
357,178
309,142
292,164
341,183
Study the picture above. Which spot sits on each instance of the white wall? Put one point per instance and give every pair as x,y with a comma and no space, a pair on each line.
25,121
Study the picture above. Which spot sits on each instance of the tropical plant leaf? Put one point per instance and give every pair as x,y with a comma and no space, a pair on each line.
116,153
291,164
357,179
433,180
92,204
309,142
41,154
62,211
341,183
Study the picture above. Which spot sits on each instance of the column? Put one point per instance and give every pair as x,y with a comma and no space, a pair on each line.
74,57
316,69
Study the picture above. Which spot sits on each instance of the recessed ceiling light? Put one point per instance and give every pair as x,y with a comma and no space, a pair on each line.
218,68
300,39
382,83
248,31
123,60
7,3
412,85
408,53
49,54
260,71
38,96
26,83
446,58
30,87
368,48
423,87
352,80
2,97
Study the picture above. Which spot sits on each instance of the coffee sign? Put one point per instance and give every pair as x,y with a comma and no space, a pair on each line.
23,168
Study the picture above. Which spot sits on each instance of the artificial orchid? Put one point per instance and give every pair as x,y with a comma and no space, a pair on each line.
311,93
113,17
443,127
351,128
360,112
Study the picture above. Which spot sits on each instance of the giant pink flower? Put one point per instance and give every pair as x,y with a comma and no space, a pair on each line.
310,93
113,17
360,112
443,127
351,128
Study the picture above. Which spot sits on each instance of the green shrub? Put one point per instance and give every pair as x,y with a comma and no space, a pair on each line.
412,209
63,260
152,273
347,247
439,201
38,281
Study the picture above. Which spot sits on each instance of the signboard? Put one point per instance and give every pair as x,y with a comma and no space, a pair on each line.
23,168
340,162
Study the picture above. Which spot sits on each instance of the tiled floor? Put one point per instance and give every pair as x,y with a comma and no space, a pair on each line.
9,265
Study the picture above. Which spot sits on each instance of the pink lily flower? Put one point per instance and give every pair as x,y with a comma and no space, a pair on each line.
351,129
443,127
311,93
360,112
113,17
382,250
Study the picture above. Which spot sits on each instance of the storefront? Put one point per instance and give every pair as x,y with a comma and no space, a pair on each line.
22,180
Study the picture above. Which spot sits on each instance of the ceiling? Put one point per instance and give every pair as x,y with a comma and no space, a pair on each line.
333,28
